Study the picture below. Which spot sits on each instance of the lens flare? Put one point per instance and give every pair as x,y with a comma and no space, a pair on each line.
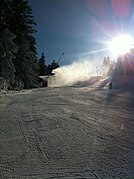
121,44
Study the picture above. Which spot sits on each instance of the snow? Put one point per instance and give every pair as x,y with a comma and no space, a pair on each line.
67,132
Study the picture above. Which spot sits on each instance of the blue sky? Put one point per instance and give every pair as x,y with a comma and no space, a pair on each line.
78,27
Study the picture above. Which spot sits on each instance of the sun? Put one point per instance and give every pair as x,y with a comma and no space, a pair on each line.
121,44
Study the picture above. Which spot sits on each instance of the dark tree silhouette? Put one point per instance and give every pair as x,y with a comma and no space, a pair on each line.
21,23
42,65
54,65
7,47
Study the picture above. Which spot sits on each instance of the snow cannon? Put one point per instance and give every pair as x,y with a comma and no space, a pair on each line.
44,82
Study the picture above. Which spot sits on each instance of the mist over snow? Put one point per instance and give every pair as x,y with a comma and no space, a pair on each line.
77,71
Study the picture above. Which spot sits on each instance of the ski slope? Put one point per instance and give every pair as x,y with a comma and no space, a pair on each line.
67,132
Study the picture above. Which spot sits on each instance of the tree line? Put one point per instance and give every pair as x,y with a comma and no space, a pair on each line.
46,69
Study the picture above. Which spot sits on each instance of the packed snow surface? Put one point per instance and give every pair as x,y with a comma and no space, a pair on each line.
67,132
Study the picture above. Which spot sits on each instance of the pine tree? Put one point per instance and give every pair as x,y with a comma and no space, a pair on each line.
21,23
7,47
42,65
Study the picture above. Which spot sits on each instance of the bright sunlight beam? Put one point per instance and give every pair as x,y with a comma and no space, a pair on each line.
121,44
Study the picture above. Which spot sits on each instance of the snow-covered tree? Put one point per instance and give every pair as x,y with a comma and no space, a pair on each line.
7,47
21,23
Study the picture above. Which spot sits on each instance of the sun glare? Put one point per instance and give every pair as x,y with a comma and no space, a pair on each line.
121,44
